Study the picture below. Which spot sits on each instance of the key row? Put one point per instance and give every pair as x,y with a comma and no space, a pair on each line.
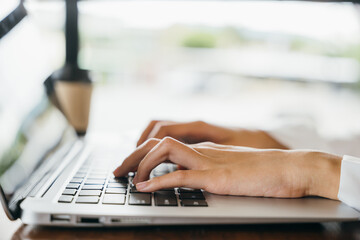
139,199
92,185
195,193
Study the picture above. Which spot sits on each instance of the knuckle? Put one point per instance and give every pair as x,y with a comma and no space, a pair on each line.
167,141
158,124
162,128
154,140
151,141
158,128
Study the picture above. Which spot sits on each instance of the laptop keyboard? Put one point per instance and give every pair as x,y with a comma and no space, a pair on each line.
93,184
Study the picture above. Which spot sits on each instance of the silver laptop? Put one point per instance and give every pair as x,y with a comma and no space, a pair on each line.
49,176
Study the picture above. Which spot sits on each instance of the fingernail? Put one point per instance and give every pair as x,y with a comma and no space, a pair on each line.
142,186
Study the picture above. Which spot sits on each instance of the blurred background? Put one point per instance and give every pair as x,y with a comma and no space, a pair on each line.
240,63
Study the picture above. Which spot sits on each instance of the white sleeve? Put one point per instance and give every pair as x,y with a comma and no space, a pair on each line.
349,189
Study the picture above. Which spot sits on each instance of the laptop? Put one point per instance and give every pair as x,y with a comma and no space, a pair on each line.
50,176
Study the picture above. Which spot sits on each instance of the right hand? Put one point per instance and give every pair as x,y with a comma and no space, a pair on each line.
199,131
232,170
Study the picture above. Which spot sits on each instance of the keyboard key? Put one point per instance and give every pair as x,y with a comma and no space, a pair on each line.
195,195
165,198
133,189
117,185
168,189
165,192
114,199
91,200
76,180
65,199
92,187
193,203
115,190
90,193
94,182
71,192
73,186
189,190
140,199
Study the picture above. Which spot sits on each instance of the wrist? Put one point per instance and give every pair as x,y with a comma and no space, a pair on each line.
323,174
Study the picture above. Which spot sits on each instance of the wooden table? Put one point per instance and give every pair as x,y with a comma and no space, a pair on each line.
346,231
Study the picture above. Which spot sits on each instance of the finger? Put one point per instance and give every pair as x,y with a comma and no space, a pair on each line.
133,160
145,134
207,144
192,131
181,178
172,150
207,148
160,127
215,146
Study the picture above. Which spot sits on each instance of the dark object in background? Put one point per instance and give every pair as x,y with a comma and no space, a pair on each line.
10,21
70,87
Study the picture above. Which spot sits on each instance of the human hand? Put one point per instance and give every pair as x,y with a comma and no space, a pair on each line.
232,170
199,131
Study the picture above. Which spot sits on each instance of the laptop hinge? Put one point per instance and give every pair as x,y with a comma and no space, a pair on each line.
10,214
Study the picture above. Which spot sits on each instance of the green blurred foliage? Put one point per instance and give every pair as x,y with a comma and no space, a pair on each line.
13,153
130,47
199,40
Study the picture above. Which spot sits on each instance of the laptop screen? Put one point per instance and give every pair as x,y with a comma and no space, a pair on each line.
30,125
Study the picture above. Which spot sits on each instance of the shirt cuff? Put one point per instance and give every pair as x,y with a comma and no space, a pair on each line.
349,189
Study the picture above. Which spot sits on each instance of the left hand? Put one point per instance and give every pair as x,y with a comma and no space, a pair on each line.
199,131
235,170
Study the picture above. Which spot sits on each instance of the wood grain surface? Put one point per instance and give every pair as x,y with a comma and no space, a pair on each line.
311,231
